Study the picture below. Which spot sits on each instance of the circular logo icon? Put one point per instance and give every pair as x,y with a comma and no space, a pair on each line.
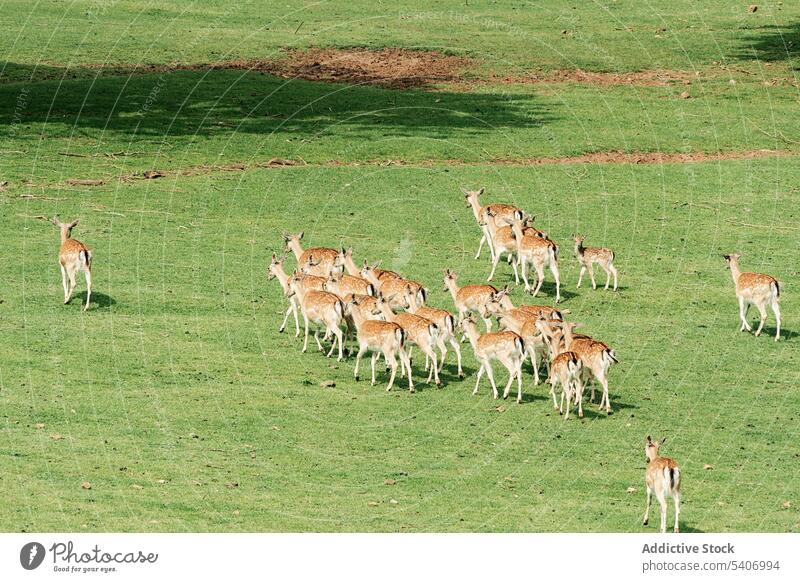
31,555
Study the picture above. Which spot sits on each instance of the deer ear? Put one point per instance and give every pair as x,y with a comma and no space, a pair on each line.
648,440
74,223
663,440
376,265
366,264
300,236
481,191
465,191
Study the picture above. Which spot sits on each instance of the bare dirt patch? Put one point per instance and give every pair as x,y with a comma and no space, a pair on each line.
395,68
656,78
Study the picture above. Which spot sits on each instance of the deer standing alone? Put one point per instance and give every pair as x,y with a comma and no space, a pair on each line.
73,257
756,289
588,256
662,477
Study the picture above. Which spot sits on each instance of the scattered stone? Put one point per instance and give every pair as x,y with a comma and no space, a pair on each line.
753,8
328,384
86,485
685,95
390,482
708,467
631,490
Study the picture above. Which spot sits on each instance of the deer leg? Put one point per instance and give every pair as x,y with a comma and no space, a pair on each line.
490,374
604,384
557,277
743,315
553,383
519,382
337,331
608,278
71,276
516,271
405,360
361,350
777,311
525,273
393,365
64,284
762,310
663,503
478,380
305,340
676,498
512,371
442,352
535,364
614,271
579,396
488,322
372,359
591,276
88,274
286,318
457,349
480,247
539,278
580,277
646,517
495,260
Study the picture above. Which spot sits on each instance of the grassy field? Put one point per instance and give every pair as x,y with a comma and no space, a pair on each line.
185,410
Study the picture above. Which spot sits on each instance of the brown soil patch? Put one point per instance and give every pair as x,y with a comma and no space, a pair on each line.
609,157
657,78
391,67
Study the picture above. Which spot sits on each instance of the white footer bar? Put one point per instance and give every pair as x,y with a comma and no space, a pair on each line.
399,557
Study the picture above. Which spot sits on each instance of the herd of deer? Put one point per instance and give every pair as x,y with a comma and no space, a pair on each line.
388,315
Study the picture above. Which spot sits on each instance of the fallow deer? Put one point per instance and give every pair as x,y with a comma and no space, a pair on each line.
755,289
588,256
419,331
390,284
73,257
565,369
321,308
379,337
276,270
662,477
505,346
325,259
596,357
469,297
446,324
499,211
540,253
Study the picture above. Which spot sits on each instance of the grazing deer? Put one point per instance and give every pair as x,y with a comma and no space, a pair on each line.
419,331
321,308
505,346
663,477
444,321
390,284
756,289
469,297
596,358
588,256
379,337
565,369
276,270
74,257
499,211
540,253
324,261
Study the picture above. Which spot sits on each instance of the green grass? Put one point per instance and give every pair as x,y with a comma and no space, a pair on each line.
176,398
178,372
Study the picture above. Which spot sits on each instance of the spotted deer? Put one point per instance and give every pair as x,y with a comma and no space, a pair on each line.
472,199
444,321
345,258
504,346
276,270
662,477
379,337
341,284
565,370
538,252
390,284
596,357
755,289
588,256
321,308
419,331
324,261
469,297
73,257
503,242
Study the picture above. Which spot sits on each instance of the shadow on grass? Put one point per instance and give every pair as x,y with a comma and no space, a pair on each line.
770,42
786,334
98,300
225,101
